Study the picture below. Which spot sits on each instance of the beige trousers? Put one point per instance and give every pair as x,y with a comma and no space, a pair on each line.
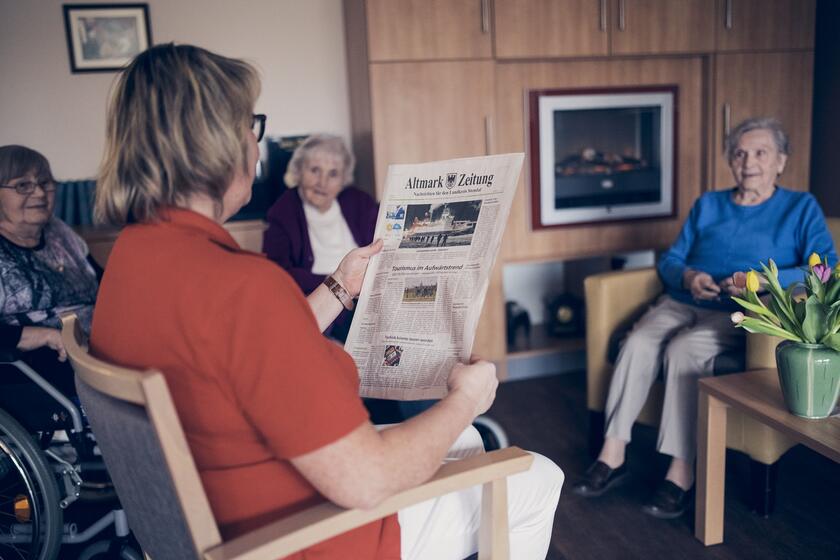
681,341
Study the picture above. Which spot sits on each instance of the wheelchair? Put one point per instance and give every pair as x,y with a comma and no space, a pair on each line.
49,468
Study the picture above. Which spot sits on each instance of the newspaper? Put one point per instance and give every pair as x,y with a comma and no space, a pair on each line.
442,223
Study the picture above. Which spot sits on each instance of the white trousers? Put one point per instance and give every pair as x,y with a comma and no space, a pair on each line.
447,527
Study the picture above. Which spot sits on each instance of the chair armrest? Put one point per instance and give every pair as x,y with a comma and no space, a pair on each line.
611,299
319,523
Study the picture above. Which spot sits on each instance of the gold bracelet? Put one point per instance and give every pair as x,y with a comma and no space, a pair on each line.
339,292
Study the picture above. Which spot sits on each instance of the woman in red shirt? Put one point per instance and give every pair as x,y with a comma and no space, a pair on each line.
269,406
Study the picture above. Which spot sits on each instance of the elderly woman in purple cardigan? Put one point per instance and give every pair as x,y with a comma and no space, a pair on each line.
312,227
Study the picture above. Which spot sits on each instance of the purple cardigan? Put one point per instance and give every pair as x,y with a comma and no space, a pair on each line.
286,241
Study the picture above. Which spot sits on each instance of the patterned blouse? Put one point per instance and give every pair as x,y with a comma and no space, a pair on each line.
39,284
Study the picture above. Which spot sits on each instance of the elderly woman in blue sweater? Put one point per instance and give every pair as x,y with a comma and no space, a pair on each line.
727,233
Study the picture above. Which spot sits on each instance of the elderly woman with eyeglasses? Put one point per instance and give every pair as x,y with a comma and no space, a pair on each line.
45,270
321,218
727,232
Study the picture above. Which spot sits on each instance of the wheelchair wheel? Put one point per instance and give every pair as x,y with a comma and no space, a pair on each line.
31,521
492,433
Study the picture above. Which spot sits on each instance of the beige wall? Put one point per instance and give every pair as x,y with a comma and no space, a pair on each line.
297,45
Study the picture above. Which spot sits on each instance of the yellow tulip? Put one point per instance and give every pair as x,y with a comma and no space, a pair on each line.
752,281
837,270
814,260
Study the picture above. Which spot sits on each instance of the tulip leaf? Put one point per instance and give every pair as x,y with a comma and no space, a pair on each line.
755,308
832,341
756,325
799,310
832,292
781,306
814,325
831,321
816,287
788,323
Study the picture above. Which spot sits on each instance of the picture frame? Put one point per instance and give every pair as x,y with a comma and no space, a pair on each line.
602,154
105,37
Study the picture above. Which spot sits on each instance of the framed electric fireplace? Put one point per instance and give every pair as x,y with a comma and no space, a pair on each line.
600,155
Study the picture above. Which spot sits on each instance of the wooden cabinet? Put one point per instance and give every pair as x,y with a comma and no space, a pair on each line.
551,28
765,24
428,29
662,26
424,111
433,79
765,84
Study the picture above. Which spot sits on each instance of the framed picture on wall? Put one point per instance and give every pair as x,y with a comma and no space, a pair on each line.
105,37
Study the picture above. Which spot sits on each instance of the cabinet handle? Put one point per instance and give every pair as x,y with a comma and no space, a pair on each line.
727,115
602,12
485,16
488,135
727,15
621,22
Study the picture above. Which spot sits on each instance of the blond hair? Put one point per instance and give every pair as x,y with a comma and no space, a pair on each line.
324,143
177,126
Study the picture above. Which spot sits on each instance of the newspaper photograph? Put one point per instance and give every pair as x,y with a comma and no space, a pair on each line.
442,224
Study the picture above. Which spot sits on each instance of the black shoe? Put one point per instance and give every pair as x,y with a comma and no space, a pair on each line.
669,501
598,479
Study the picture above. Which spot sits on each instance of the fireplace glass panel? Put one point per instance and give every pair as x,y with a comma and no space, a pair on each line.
603,155
606,157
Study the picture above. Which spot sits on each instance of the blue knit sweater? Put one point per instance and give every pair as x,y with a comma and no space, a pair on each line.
720,238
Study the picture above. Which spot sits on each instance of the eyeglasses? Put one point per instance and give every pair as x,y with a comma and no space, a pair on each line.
258,126
28,187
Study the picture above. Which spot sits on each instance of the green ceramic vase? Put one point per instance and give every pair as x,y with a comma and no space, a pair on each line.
810,378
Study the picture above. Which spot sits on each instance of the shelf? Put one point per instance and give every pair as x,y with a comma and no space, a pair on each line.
541,343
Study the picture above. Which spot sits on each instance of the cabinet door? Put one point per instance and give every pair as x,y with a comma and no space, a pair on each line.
765,24
663,26
534,28
428,29
765,84
425,111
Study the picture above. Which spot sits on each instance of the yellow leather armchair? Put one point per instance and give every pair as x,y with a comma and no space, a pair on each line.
614,297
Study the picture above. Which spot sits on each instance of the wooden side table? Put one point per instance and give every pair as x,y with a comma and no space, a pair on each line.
756,393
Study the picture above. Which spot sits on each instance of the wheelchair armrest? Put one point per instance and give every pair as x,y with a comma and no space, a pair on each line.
9,355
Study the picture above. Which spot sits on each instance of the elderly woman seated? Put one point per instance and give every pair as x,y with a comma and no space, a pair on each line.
727,232
269,406
312,227
45,270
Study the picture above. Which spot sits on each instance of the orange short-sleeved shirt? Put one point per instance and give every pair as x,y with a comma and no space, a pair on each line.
253,380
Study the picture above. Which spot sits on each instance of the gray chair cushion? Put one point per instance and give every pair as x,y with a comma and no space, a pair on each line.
135,463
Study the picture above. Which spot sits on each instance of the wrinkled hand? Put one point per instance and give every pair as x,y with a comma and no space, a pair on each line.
32,338
351,269
477,382
735,284
700,284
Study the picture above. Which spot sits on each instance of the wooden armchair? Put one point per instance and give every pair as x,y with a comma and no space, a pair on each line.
145,451
613,300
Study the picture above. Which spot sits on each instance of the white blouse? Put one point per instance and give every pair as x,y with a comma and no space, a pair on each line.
329,235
